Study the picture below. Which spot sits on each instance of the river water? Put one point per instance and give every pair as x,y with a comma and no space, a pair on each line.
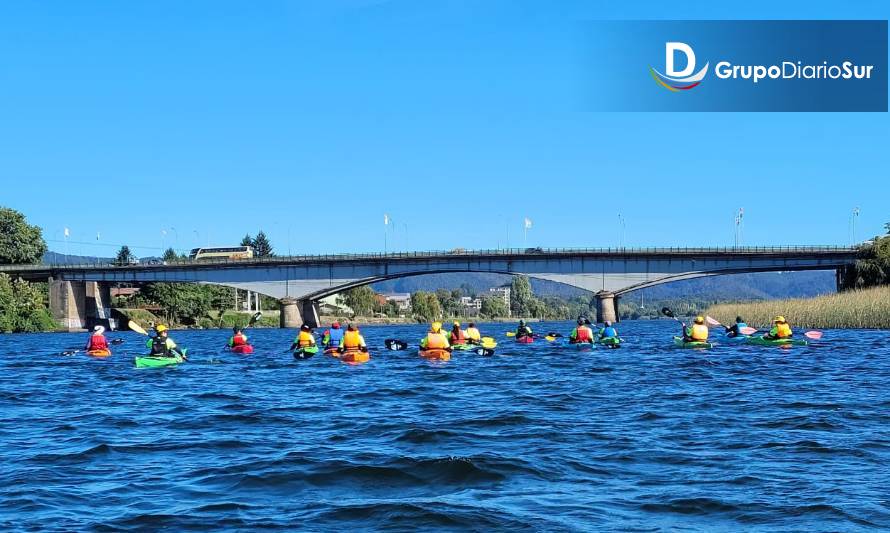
538,437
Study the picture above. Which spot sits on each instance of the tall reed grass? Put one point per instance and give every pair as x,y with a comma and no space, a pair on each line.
864,309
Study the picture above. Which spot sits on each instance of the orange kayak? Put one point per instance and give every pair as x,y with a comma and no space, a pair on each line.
99,353
355,357
440,354
333,352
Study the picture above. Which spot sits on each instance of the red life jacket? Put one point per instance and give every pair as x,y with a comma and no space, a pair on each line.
457,338
583,334
98,342
239,340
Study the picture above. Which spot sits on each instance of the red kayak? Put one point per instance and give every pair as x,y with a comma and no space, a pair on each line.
525,340
243,349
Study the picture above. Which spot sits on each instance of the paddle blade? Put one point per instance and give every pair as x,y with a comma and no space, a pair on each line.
550,338
395,344
666,311
510,334
815,335
712,321
487,352
117,341
256,316
747,330
137,328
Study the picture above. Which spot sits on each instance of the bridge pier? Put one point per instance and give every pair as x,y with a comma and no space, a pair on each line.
295,313
79,305
606,307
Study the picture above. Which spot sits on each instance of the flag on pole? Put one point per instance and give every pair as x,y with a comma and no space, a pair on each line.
528,223
97,235
67,233
386,219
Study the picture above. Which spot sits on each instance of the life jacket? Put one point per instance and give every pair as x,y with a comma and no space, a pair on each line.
609,332
583,334
239,339
473,334
783,331
524,331
305,339
457,338
436,340
699,332
352,340
334,337
97,342
159,347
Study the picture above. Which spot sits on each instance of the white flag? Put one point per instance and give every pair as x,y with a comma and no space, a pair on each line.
385,219
67,233
97,235
528,223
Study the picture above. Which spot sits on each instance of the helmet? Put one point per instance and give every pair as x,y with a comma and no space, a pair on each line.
98,330
699,320
351,327
456,324
580,321
336,325
160,328
305,327
607,323
521,322
471,325
436,326
738,320
780,319
236,329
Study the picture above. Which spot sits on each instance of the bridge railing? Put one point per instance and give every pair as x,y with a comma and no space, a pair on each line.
499,252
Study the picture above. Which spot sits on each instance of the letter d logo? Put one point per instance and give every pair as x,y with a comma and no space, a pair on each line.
676,81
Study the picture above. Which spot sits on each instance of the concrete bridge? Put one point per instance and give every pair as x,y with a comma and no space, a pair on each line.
78,293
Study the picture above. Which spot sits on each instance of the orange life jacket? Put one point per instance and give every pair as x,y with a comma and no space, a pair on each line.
305,339
473,334
699,332
352,340
783,331
436,340
457,337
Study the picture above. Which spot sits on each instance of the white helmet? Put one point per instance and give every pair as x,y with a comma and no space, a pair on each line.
98,330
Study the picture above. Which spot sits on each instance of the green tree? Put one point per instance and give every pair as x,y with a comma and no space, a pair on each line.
522,300
23,307
20,242
124,256
170,255
181,302
261,246
362,300
425,306
494,307
872,267
247,240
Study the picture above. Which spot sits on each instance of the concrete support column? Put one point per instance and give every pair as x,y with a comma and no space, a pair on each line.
290,316
310,313
606,307
67,303
97,305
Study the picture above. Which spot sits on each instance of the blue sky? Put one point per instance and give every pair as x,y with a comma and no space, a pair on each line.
459,119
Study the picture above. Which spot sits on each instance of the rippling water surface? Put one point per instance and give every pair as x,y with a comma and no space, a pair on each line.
539,437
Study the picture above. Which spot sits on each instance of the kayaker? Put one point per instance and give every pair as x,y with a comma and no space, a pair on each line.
472,334
333,336
698,331
238,338
608,331
97,340
523,330
736,329
304,338
162,345
352,340
781,329
435,338
457,334
581,334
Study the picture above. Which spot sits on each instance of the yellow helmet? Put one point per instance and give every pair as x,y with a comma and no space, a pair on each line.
779,319
160,328
699,320
456,323
436,326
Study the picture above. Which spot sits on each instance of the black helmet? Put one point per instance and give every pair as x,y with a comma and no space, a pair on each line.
236,329
521,322
580,321
305,327
739,320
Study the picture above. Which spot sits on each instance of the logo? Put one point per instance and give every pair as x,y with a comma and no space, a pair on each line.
683,80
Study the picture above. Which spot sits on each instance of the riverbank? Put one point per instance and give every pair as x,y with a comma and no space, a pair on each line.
862,309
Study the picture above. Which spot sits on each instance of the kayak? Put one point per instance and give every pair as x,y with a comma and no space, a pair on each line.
679,342
582,346
737,338
464,347
243,349
332,351
305,353
440,354
525,340
99,353
355,357
150,361
610,342
760,341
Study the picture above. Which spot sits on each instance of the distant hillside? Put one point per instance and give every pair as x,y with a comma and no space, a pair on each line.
758,286
55,258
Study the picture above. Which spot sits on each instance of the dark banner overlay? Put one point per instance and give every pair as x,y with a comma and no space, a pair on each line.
764,65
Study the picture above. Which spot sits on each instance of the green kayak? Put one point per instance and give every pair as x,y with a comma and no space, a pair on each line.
610,342
679,342
305,353
464,347
760,341
149,361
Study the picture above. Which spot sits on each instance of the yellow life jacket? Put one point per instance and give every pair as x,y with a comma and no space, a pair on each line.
473,334
305,339
436,340
783,331
699,332
352,340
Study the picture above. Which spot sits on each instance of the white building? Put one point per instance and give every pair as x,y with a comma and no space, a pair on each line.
503,293
471,303
402,300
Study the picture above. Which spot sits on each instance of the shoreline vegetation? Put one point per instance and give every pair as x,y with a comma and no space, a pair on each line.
854,309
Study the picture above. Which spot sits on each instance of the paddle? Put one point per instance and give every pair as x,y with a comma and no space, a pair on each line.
486,352
395,344
140,330
747,330
815,335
